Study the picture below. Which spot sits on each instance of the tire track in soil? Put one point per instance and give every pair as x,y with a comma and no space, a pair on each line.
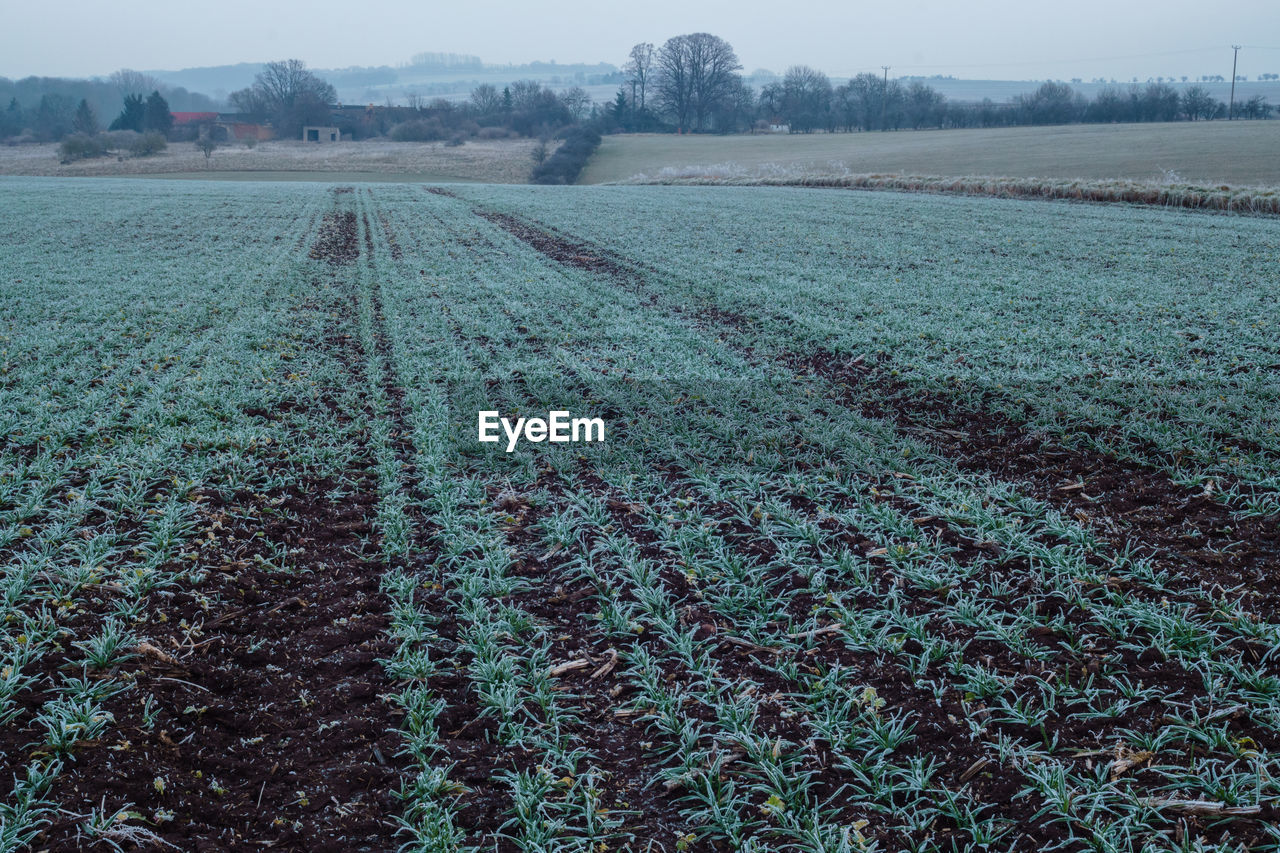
1193,535
271,727
1131,503
599,687
469,738
618,739
932,719
1197,537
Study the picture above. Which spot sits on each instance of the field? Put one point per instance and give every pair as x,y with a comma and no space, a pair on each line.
496,161
921,522
1241,152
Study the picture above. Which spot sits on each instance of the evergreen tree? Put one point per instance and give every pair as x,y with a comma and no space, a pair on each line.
131,116
156,115
620,110
85,121
11,120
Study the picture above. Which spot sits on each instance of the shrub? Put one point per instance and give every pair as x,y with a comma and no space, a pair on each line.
494,133
82,146
152,142
564,166
206,145
119,140
457,139
418,130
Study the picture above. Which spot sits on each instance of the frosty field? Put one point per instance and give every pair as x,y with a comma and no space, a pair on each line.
1141,152
921,523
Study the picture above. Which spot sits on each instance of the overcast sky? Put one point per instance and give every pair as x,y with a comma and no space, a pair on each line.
999,39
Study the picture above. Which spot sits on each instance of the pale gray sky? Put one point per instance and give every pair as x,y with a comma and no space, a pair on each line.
999,39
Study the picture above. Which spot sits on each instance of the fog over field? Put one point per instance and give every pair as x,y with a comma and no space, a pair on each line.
996,40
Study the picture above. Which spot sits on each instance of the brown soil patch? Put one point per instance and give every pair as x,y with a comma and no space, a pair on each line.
557,248
338,242
258,714
268,726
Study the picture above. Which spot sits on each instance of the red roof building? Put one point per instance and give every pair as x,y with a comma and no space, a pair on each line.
193,118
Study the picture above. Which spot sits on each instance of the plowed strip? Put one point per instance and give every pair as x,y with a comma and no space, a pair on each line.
1194,534
268,726
338,241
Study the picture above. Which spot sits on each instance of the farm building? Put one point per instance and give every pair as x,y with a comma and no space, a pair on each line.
184,119
222,126
240,127
321,134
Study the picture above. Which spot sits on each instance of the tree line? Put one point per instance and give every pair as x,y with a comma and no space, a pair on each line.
691,84
46,109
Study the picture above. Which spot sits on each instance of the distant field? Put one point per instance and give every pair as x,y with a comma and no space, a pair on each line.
505,161
1236,152
299,175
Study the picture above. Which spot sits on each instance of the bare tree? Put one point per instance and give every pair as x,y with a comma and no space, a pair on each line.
1198,104
638,70
289,94
288,82
867,102
206,145
486,99
130,82
250,101
924,105
806,98
770,101
540,152
694,74
577,101
525,94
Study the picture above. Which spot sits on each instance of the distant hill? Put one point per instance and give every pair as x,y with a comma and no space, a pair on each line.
218,81
427,75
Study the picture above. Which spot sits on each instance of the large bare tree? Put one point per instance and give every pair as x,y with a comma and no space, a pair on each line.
288,94
286,83
694,75
806,98
485,99
638,69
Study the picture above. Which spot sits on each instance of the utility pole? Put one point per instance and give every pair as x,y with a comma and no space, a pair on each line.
1231,110
884,99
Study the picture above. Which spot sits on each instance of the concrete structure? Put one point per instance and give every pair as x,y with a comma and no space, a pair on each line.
321,134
